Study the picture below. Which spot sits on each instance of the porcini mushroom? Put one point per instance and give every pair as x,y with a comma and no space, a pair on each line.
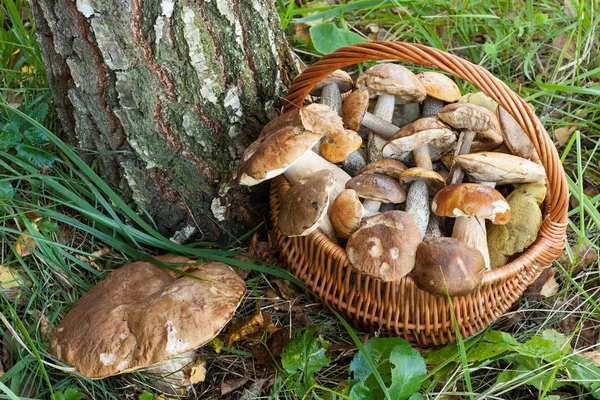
420,182
447,266
440,90
385,246
142,314
303,208
473,121
284,144
391,83
346,213
515,137
331,87
355,114
522,228
500,168
385,166
471,204
376,189
337,146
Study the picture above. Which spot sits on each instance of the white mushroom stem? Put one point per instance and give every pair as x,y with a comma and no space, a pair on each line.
371,206
471,230
463,146
417,198
384,109
311,162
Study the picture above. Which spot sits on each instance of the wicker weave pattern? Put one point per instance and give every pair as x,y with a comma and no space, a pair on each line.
400,308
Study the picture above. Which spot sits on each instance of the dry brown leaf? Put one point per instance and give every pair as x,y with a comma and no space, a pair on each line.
246,327
302,31
97,254
565,42
8,278
271,351
230,385
25,243
198,373
563,134
550,287
593,356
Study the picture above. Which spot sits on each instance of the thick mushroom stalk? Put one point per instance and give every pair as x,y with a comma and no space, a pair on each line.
331,88
471,204
440,89
392,83
422,181
375,189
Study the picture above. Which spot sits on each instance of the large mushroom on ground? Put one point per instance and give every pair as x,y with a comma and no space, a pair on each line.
447,266
304,206
284,147
141,315
385,246
471,204
392,84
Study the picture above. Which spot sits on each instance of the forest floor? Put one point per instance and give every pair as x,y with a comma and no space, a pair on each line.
63,229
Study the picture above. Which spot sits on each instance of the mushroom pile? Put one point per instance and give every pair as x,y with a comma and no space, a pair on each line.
405,172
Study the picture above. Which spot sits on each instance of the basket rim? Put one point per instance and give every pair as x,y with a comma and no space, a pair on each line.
551,236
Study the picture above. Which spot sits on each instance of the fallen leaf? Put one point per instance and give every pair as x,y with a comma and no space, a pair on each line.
265,353
302,31
230,385
197,373
95,255
563,42
285,289
563,134
25,243
8,278
593,356
257,387
550,287
217,344
247,327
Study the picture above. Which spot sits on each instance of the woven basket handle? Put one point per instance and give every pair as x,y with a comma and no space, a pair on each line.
552,233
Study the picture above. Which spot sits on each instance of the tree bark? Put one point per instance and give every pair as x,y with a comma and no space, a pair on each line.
163,97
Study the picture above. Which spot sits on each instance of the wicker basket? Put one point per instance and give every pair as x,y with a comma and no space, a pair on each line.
399,308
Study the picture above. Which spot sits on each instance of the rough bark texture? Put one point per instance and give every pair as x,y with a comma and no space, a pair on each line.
165,96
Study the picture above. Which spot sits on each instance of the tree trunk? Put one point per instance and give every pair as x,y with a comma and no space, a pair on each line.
164,97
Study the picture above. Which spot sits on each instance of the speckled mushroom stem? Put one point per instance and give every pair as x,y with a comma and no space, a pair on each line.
431,106
434,229
311,162
465,139
417,197
472,230
332,97
380,126
354,163
384,109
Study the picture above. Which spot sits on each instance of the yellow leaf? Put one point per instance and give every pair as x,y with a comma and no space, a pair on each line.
217,344
198,373
563,134
244,328
550,287
8,278
25,243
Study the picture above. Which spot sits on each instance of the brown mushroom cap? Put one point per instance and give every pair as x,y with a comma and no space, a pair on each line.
515,137
439,86
500,168
142,314
434,181
354,108
345,213
474,118
424,131
447,263
385,246
305,204
339,77
337,146
286,139
471,199
394,80
377,187
385,166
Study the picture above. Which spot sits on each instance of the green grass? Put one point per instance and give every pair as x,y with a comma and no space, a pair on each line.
548,56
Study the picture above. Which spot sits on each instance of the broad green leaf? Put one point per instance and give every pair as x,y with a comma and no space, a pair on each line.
490,49
379,349
558,339
500,337
360,391
306,353
47,225
35,137
39,112
9,136
7,191
37,157
538,347
327,37
485,351
585,373
73,394
408,372
146,396
448,352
